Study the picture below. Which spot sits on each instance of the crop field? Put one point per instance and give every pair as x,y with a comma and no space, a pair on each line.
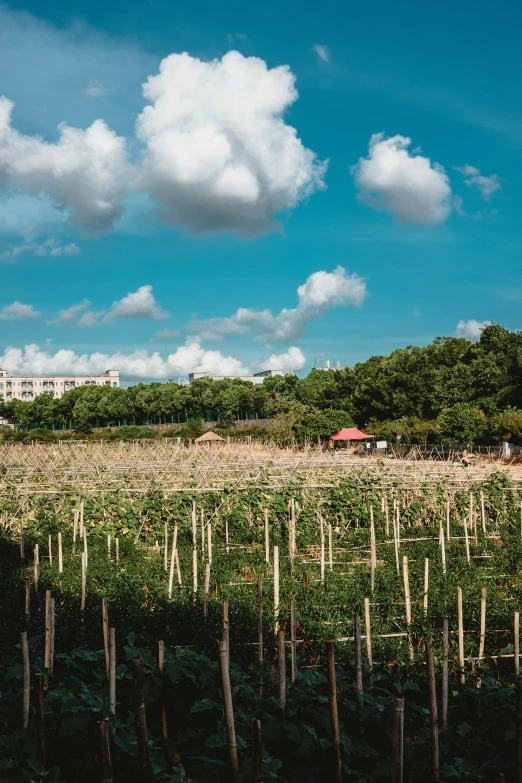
243,613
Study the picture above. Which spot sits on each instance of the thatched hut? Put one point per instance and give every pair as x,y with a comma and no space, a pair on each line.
210,437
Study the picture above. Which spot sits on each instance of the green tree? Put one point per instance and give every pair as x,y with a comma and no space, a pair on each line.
462,424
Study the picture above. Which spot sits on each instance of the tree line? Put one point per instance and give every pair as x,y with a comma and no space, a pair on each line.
451,390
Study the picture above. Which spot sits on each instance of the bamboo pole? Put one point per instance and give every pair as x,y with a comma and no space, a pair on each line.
396,541
27,596
22,540
84,581
466,537
105,628
407,601
373,550
194,525
228,708
322,549
226,629
209,542
108,547
267,538
47,646
368,632
207,589
276,589
398,741
483,513
387,518
81,519
460,635
482,624
293,642
166,547
26,671
178,568
433,708
105,751
227,546
75,529
281,667
195,569
358,660
334,717
445,683
426,584
112,670
50,549
51,651
260,629
173,559
85,549
443,549
257,752
516,642
60,554
36,568
448,531
330,546
117,550
202,534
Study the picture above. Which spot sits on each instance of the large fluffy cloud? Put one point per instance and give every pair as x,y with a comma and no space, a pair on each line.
18,312
191,357
291,361
219,154
321,291
84,172
408,186
137,304
471,329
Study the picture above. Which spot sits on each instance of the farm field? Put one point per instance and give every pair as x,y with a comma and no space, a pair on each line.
124,565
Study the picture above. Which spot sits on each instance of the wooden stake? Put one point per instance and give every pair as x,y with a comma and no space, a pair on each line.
47,646
26,673
358,660
60,554
117,550
466,536
112,670
368,632
433,708
516,642
207,589
75,529
293,643
334,717
267,538
141,721
40,723
228,708
172,559
322,550
178,569
396,542
166,547
108,547
445,657
195,569
330,546
482,624
202,534
276,589
226,629
226,536
387,517
209,542
448,531
105,750
373,550
50,549
461,635
281,667
483,513
443,549
81,519
257,752
398,742
426,584
407,601
194,525
36,569
105,629
84,581
27,596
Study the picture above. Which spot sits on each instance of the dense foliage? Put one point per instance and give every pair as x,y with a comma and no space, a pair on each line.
451,390
479,744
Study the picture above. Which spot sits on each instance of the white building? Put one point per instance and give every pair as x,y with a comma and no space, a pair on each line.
257,378
27,387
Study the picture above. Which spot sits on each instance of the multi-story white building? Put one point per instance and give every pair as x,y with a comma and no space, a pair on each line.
257,378
27,387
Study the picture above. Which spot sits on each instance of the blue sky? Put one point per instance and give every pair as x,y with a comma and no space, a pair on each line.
159,225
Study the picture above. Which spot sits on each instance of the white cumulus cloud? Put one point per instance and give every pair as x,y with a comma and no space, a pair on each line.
18,312
139,304
471,329
321,291
219,155
84,172
473,178
51,247
322,52
408,186
70,314
291,361
191,357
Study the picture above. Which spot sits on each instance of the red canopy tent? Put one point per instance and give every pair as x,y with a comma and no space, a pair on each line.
350,433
